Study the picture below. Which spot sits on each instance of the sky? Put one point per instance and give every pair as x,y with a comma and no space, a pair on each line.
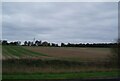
74,22
60,0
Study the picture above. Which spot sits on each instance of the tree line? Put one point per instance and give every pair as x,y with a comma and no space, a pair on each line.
45,43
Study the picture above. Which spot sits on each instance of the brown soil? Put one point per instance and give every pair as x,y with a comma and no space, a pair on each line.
73,53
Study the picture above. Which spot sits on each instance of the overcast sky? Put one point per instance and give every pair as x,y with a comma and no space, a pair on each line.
79,22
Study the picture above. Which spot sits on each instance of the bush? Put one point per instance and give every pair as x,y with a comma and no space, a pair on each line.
114,58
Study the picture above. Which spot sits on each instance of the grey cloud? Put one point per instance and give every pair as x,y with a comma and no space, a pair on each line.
60,22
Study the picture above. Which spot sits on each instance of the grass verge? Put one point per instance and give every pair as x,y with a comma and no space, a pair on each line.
81,75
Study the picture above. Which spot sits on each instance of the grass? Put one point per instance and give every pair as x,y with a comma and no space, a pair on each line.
19,51
52,66
81,75
55,68
56,63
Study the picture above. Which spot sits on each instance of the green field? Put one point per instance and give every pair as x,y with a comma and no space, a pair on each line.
18,52
56,63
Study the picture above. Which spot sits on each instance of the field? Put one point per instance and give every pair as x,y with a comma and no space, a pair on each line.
56,63
56,53
71,53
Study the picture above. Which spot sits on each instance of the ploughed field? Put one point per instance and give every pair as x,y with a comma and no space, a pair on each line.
56,62
66,53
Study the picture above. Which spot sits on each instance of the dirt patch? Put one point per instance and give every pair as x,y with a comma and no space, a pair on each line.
73,53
